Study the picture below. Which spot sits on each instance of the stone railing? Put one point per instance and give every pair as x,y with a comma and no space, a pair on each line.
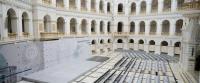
12,36
121,34
165,33
141,33
131,33
178,34
194,5
152,33
60,5
51,35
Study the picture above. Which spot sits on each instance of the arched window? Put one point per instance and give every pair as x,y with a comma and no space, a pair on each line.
25,23
164,43
11,21
120,7
120,27
60,24
93,42
109,40
47,23
141,42
167,5
73,25
152,42
119,41
102,27
102,41
131,41
84,26
108,7
142,27
60,3
93,5
180,4
133,8
165,27
72,4
132,27
93,26
108,27
177,44
101,6
153,27
154,5
179,25
143,7
83,5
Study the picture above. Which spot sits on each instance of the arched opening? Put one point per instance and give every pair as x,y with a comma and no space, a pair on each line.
141,45
73,25
102,41
133,8
84,26
180,4
153,28
47,23
72,4
11,22
108,7
165,27
60,3
93,42
177,48
109,40
179,25
142,27
93,27
152,42
154,5
60,24
108,27
120,27
25,23
167,5
131,41
101,6
120,41
93,5
143,7
132,27
164,47
141,42
152,46
83,5
120,8
102,27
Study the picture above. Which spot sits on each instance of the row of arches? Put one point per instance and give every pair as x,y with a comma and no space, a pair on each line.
102,41
151,42
153,27
74,25
13,21
73,4
154,4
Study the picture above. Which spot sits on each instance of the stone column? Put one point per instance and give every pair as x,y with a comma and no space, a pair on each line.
89,27
97,27
172,28
66,4
68,27
97,6
159,28
174,5
65,27
148,9
147,28
160,6
136,46
19,27
138,8
78,27
105,7
157,49
105,27
54,3
171,50
78,5
89,5
137,26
